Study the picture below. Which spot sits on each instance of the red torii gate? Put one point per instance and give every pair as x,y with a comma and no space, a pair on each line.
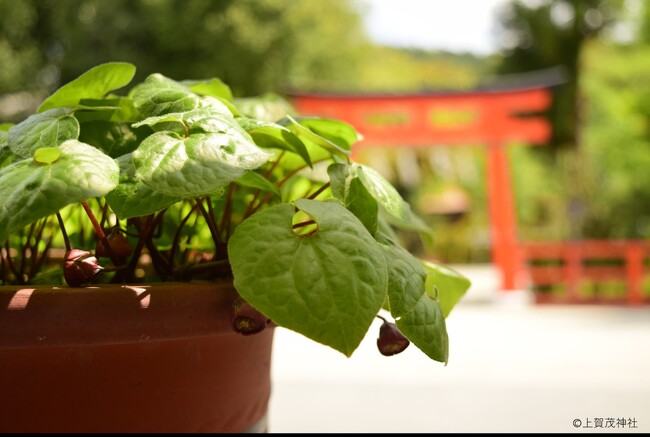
490,117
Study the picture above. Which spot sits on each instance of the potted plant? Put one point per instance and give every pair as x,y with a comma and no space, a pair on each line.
143,233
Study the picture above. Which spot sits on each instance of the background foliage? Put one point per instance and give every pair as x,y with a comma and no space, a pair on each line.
252,44
590,182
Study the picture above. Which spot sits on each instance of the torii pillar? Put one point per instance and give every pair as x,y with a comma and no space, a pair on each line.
488,117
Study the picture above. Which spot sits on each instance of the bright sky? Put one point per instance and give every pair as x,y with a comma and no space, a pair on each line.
455,25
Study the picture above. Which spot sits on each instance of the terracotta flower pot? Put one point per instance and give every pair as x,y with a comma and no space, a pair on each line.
130,359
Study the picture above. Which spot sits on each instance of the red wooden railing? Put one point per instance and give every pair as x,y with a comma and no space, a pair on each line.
565,267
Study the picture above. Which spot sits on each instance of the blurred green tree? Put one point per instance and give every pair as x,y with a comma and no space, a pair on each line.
388,69
21,54
617,140
550,33
254,45
644,31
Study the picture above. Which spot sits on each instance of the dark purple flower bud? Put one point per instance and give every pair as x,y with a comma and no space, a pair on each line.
80,267
391,341
120,246
245,319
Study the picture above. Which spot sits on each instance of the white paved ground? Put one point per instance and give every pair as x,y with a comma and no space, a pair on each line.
514,367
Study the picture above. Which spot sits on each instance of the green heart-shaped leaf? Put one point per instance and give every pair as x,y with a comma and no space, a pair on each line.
445,284
4,129
268,107
114,109
336,131
132,198
361,203
256,181
425,327
273,135
42,130
210,119
327,285
406,278
389,198
306,134
6,156
159,95
30,190
417,312
352,193
93,84
340,178
211,87
167,122
195,166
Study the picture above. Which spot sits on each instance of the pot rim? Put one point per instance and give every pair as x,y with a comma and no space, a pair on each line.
35,315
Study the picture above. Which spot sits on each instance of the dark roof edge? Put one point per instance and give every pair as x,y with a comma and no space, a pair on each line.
546,78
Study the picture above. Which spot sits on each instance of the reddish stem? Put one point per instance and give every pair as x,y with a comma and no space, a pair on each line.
214,230
104,214
34,249
177,235
39,263
100,233
224,225
279,185
26,246
11,265
144,232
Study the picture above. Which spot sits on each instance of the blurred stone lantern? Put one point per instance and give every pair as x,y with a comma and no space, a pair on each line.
450,202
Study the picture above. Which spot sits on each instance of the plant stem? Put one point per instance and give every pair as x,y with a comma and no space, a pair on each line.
186,251
274,165
116,268
304,224
26,246
104,207
157,230
11,265
203,267
213,218
2,267
39,263
82,229
177,236
279,185
214,230
66,239
226,219
319,191
295,171
100,233
250,210
160,263
267,175
253,210
128,272
381,317
34,256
